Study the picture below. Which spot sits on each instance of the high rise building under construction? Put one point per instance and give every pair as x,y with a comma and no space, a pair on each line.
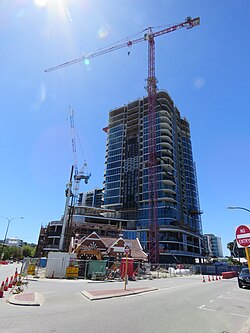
126,181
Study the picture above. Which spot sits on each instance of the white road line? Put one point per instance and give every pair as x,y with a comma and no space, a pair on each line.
220,296
236,314
211,301
228,292
173,287
202,308
224,297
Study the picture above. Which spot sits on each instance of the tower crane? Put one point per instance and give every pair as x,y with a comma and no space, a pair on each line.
149,36
72,187
78,175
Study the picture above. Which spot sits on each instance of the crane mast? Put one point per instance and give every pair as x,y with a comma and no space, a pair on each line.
153,237
153,241
73,139
71,188
78,175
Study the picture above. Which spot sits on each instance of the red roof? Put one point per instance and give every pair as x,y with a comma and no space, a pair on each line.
136,249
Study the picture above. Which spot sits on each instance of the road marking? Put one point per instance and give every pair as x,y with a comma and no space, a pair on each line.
203,308
188,284
228,292
220,296
236,314
224,297
211,301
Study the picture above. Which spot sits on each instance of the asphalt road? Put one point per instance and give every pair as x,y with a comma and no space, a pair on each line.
181,304
8,270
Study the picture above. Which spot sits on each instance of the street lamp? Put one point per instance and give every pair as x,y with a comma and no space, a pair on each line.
246,248
5,237
236,207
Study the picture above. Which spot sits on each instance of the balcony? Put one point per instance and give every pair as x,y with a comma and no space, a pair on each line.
168,182
51,247
52,234
168,199
169,191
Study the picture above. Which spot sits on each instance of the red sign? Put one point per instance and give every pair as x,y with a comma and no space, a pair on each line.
243,236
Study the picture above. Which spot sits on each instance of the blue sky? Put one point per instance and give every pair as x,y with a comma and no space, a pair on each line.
204,69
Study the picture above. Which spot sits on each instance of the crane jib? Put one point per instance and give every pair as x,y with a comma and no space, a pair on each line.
189,23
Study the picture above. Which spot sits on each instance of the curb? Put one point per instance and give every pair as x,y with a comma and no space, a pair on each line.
26,299
93,295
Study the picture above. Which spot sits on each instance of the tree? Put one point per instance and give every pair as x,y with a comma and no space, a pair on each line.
230,247
235,251
16,252
28,251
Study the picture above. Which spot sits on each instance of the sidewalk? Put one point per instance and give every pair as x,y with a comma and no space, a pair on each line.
26,299
110,293
35,299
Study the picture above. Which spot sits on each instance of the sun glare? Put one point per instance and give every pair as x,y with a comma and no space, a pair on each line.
59,6
56,8
41,3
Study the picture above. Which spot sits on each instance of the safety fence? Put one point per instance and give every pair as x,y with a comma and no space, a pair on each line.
67,267
217,269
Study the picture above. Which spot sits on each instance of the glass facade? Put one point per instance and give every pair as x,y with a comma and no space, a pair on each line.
127,175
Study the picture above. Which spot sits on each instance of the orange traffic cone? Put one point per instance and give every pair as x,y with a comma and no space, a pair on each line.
6,285
204,279
15,277
209,280
11,282
2,290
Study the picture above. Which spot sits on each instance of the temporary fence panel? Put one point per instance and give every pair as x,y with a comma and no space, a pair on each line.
57,264
97,268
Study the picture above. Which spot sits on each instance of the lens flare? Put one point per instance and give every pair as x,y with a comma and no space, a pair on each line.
199,83
86,61
103,31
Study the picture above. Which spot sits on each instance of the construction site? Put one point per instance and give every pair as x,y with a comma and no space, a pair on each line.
149,198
